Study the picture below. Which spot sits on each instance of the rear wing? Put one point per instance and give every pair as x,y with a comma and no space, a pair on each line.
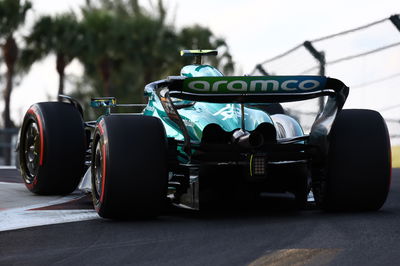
254,89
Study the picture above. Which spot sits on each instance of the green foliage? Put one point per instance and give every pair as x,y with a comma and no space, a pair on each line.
12,15
121,45
61,35
128,46
125,49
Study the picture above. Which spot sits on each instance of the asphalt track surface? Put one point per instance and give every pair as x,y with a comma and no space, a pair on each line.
270,234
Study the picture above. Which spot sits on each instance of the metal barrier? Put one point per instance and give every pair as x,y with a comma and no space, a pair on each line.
8,142
306,119
364,69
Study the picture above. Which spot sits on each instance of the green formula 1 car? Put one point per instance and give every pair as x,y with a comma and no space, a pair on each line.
202,140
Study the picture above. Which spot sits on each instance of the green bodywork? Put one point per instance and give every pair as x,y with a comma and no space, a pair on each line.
197,115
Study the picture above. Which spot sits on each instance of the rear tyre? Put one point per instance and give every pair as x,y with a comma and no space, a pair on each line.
358,169
129,167
52,148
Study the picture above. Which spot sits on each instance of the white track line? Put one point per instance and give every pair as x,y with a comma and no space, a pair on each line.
23,217
8,167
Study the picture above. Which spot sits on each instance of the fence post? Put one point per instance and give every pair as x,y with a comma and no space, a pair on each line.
320,57
7,135
395,19
262,70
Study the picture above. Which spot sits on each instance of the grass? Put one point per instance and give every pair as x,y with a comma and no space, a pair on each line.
396,156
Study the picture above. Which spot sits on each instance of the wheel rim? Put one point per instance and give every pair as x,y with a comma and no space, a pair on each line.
98,171
32,150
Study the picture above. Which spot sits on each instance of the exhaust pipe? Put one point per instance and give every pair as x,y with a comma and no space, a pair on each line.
213,133
248,140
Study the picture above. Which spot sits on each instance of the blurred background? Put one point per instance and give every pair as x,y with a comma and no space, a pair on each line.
87,48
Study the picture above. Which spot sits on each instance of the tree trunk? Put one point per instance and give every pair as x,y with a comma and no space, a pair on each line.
61,83
61,64
105,71
8,123
10,51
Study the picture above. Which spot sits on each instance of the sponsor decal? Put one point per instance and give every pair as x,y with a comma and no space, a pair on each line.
229,111
150,108
249,85
188,123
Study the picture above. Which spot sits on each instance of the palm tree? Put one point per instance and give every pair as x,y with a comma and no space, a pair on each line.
124,46
12,16
102,40
60,35
128,46
123,37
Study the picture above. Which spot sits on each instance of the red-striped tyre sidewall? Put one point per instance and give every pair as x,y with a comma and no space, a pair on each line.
134,175
62,148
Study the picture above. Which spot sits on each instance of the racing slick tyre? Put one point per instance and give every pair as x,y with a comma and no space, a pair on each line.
358,172
129,167
52,148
